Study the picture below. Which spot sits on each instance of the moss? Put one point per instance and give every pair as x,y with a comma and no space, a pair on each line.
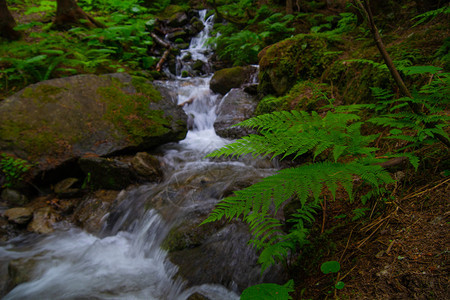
143,86
171,10
44,93
305,95
132,114
270,104
301,57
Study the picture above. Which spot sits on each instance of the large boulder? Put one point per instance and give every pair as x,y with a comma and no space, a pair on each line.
301,57
226,79
61,120
235,107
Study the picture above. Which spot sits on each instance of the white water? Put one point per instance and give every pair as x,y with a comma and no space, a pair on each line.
128,262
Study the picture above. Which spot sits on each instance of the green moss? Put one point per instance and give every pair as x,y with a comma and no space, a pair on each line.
301,57
171,10
43,93
142,86
305,95
132,114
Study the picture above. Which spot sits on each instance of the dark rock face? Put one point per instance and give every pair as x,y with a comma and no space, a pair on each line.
235,107
226,79
107,173
60,120
206,263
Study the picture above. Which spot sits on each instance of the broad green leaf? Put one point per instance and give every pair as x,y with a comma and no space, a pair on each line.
331,266
268,291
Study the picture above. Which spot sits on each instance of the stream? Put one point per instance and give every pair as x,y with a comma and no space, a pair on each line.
126,261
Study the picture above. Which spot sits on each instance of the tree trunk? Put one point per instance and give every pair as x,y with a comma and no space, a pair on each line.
7,23
289,7
367,13
69,14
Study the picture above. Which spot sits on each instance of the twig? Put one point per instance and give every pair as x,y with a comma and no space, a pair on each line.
420,193
346,246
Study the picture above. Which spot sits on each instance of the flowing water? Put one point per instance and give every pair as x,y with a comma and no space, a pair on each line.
125,260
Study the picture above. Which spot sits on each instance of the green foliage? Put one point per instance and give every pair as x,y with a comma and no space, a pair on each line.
241,47
241,43
13,169
331,266
415,128
268,291
346,23
290,134
430,15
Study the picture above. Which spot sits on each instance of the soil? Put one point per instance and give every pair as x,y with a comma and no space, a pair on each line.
400,252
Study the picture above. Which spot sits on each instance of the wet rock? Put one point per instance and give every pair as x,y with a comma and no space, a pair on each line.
43,220
90,213
197,296
147,166
225,258
179,19
226,79
180,34
189,234
106,173
197,25
235,107
20,271
198,65
19,215
65,188
57,121
13,197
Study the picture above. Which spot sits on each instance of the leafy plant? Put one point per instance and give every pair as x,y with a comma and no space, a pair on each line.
268,291
13,169
430,15
332,266
291,134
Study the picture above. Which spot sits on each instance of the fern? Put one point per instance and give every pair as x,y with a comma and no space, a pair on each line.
295,133
429,15
409,126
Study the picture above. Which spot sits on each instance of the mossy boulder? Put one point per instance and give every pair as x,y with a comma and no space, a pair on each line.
304,95
301,57
226,79
61,120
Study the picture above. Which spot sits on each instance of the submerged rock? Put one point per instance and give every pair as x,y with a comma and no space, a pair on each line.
224,258
57,121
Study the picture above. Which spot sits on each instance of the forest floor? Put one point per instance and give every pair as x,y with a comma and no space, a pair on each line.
400,253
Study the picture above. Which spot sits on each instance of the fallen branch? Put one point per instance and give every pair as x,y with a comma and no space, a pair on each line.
160,41
162,60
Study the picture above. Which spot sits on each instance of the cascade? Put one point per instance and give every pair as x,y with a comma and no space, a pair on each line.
126,261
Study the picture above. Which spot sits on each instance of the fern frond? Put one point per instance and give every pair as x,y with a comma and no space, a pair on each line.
296,133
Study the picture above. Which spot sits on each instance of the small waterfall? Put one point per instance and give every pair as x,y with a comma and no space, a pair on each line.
126,261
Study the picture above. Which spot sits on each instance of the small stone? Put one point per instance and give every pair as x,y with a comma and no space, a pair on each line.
19,215
147,166
43,220
13,197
